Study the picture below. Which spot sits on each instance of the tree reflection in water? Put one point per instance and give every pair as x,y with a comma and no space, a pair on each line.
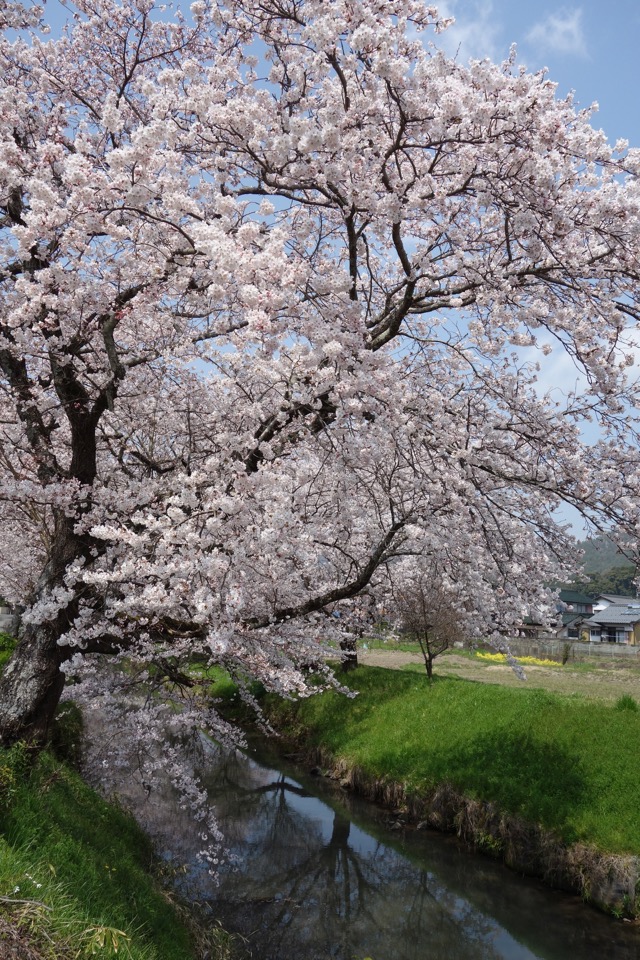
314,883
309,883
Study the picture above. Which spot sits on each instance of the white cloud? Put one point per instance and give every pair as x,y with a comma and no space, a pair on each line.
560,33
476,32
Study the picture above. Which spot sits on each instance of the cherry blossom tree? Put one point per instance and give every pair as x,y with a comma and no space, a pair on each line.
432,615
277,282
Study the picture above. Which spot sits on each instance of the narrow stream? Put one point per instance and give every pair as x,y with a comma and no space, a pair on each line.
323,875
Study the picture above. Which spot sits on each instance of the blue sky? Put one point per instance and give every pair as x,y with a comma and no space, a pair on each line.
590,48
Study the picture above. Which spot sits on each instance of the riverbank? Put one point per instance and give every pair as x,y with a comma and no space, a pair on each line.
545,783
78,877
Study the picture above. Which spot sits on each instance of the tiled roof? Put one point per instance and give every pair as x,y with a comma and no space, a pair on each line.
617,613
572,596
568,618
616,599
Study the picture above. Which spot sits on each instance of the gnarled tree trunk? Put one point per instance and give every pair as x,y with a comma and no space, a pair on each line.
31,687
32,682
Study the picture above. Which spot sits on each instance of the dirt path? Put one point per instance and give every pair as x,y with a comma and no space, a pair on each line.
605,681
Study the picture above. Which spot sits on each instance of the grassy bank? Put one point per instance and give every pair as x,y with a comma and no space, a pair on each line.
78,877
76,873
565,763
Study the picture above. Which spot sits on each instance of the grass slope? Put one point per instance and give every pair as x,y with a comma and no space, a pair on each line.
76,873
82,866
564,762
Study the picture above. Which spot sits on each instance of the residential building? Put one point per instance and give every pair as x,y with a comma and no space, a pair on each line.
616,623
574,608
604,600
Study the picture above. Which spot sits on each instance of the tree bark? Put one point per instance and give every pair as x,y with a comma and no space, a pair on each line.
429,662
30,687
427,656
32,682
349,648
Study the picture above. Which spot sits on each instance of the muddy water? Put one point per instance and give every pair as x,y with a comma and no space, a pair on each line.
323,875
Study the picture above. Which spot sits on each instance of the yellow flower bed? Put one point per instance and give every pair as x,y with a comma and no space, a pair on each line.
532,661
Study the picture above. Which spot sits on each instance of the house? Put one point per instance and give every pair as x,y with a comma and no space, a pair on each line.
605,618
532,629
616,623
604,600
574,609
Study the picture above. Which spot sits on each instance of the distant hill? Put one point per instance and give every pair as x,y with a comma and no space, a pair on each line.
602,555
607,570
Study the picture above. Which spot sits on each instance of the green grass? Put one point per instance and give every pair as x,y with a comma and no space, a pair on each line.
7,646
626,702
389,643
78,877
83,868
85,863
567,763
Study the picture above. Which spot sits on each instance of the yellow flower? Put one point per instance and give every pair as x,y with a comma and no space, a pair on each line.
531,661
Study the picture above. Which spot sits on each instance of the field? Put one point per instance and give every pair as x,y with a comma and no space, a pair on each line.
598,678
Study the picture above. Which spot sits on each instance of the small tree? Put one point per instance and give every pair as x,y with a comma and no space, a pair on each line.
428,612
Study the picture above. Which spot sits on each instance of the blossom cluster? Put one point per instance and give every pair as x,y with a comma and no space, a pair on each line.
281,288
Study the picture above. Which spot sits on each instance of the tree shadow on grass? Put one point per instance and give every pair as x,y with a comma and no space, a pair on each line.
534,779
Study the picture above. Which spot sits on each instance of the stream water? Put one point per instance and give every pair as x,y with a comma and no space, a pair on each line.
321,874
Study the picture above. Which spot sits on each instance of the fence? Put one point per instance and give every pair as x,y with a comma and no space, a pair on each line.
556,649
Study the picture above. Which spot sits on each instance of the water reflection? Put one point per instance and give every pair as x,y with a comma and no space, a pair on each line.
313,883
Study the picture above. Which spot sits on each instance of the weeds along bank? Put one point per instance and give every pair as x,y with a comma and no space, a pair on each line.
546,783
78,877
76,873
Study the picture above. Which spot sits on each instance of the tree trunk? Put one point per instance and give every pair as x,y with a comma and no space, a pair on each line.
429,662
349,648
32,682
31,686
423,640
16,620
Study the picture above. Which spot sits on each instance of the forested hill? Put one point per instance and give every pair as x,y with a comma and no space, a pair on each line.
608,569
602,555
